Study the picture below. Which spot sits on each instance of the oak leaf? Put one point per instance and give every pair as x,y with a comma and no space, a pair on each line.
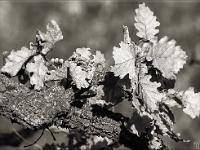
124,61
80,76
191,103
150,94
146,23
167,57
38,70
48,39
82,66
16,60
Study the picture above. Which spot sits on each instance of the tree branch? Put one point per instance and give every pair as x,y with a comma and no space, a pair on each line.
39,110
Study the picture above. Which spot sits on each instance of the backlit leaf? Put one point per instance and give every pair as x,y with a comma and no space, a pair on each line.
38,71
167,57
48,39
82,66
146,23
150,94
124,57
191,103
16,59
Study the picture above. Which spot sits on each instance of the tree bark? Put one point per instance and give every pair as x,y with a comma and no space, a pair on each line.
40,109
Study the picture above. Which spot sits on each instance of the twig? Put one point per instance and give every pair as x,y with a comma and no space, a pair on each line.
20,136
36,139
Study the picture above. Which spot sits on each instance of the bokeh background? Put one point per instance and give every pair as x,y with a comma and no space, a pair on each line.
98,25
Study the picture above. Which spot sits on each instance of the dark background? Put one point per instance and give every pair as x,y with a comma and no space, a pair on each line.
98,25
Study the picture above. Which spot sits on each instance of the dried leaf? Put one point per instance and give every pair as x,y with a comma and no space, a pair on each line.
167,57
146,23
15,60
124,61
191,103
38,70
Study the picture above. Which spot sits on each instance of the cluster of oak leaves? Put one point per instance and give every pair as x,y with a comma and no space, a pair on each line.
150,97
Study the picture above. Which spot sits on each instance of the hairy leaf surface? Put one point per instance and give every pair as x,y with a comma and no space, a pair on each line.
82,65
146,23
124,60
191,102
167,57
150,94
16,59
38,71
48,39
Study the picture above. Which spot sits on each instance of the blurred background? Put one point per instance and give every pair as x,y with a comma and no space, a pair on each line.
98,25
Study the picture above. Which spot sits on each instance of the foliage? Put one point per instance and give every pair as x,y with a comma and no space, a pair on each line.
82,66
191,102
16,60
146,65
124,60
167,57
38,71
146,23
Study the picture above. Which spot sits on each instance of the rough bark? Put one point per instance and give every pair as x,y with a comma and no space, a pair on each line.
53,105
36,110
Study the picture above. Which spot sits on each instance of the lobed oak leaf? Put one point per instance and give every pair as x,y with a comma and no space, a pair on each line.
82,66
162,119
150,94
150,104
48,39
167,57
16,60
146,23
81,69
53,32
191,103
79,76
38,71
124,61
